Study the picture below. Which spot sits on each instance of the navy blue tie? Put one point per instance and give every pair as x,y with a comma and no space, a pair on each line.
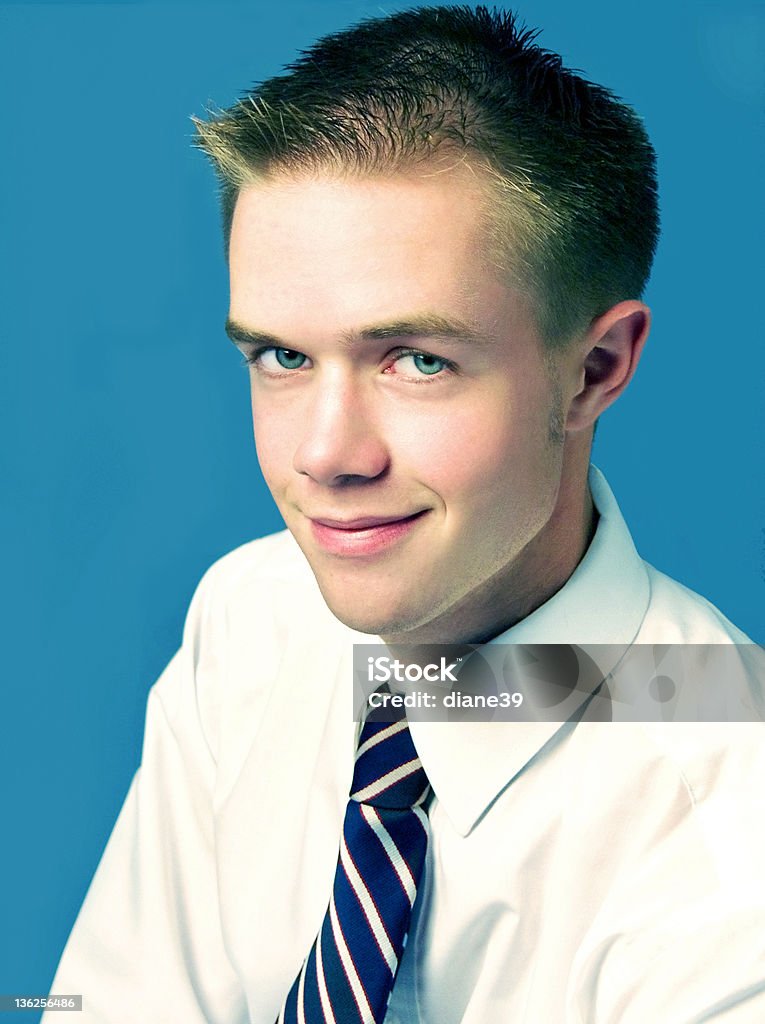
349,972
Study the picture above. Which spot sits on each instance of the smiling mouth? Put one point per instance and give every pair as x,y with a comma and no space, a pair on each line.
363,535
364,522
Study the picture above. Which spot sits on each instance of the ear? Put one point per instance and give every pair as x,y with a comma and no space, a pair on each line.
612,349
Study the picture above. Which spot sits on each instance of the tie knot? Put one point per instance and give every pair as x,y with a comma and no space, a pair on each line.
388,772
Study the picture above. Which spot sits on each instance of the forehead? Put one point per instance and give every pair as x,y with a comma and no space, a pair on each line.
384,203
338,252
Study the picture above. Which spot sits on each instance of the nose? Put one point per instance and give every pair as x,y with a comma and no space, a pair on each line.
340,441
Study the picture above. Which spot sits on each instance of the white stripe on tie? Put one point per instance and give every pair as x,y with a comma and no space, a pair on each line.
326,1006
383,734
400,866
386,781
421,817
370,910
362,1003
301,995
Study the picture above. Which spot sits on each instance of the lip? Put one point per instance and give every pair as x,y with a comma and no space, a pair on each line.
363,535
361,522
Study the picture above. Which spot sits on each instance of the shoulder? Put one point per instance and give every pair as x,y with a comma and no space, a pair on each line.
270,572
718,671
677,614
276,556
255,609
716,739
253,605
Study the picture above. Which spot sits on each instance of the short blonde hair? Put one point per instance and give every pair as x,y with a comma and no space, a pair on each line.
570,172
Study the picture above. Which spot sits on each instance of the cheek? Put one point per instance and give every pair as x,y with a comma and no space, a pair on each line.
273,444
471,451
492,464
463,463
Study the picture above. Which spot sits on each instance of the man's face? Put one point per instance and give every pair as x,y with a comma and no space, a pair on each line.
403,412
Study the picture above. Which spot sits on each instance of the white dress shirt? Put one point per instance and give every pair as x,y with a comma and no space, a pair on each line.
599,873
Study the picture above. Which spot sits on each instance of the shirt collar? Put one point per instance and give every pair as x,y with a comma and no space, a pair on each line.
604,601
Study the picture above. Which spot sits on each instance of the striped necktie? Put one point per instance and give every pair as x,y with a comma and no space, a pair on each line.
348,975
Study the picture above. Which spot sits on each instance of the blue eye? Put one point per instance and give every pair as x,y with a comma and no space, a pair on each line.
288,359
273,360
424,364
428,364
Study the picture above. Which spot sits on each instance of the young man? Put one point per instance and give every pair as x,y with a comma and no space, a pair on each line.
437,240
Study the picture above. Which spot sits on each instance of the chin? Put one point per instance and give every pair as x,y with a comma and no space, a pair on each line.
371,622
375,618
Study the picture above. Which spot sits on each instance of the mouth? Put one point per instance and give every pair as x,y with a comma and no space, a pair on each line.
363,535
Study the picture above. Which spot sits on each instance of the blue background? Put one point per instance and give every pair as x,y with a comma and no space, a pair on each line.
125,420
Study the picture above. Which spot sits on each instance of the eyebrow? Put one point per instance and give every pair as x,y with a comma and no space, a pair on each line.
426,325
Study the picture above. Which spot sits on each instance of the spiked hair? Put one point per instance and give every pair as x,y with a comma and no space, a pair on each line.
566,168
